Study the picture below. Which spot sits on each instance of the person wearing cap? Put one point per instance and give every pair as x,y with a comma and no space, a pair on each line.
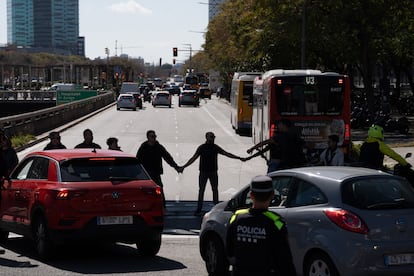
257,239
286,148
332,155
55,142
208,153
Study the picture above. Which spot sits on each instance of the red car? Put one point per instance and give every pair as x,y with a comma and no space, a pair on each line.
75,195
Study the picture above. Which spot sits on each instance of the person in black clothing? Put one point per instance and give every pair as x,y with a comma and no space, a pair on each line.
257,239
150,155
88,141
208,153
9,155
55,142
288,148
112,143
3,172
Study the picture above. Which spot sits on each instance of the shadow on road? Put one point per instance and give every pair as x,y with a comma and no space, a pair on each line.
94,258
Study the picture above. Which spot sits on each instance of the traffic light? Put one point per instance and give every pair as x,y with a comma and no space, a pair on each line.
175,51
173,60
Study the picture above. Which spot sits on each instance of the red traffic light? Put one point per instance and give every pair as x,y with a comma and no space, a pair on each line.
173,60
175,51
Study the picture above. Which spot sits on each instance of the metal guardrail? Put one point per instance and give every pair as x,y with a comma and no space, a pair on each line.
27,95
41,121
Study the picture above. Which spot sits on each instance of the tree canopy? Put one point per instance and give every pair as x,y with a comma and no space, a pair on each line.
371,38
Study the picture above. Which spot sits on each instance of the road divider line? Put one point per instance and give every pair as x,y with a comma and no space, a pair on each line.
219,124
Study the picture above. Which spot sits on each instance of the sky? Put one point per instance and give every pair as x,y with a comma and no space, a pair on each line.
138,28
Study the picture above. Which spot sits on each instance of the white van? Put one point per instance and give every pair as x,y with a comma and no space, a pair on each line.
62,87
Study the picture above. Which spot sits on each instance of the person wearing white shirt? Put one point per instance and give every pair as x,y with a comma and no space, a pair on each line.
332,155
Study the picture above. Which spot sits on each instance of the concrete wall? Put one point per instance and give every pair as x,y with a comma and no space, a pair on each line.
44,120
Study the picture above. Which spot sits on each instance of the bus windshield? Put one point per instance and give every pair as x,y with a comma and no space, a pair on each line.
320,96
191,80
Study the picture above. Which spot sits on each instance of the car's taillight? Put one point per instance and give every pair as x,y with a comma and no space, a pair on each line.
67,194
347,220
152,190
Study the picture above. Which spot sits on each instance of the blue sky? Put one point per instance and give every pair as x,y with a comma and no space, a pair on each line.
145,28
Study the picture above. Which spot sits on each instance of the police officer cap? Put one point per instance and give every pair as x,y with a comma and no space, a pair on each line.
261,184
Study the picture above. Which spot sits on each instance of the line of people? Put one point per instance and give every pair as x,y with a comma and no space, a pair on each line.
151,154
285,149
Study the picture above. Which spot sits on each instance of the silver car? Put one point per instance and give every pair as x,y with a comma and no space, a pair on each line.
161,98
341,221
126,101
189,97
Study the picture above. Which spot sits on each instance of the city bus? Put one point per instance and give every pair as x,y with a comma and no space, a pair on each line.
193,81
317,104
241,101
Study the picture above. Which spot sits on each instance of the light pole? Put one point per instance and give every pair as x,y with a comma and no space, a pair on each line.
191,50
107,67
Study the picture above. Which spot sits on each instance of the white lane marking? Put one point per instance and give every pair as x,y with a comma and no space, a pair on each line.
217,122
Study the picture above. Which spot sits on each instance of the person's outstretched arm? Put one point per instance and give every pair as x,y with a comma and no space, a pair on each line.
386,150
191,160
259,145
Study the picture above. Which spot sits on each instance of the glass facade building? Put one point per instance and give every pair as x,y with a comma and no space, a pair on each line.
48,24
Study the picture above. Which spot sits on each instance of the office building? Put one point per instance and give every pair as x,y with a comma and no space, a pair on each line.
44,25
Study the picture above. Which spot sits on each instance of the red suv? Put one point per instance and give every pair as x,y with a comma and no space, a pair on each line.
80,195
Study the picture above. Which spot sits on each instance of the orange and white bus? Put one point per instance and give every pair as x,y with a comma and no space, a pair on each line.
193,81
241,100
317,104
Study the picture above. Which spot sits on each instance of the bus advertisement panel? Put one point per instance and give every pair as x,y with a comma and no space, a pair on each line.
318,105
241,101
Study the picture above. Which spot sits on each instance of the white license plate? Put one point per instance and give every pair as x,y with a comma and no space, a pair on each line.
115,220
399,259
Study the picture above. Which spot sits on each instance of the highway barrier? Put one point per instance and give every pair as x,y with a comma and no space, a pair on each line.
44,120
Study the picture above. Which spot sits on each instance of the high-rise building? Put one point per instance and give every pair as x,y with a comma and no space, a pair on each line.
51,25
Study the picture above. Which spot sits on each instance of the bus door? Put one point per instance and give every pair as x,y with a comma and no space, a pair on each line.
245,104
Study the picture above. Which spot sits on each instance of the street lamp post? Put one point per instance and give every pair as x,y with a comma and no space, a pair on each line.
191,50
107,67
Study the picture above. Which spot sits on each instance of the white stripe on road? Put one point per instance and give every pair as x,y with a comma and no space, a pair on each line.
217,122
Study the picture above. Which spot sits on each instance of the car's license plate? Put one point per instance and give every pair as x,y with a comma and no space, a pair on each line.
115,220
399,259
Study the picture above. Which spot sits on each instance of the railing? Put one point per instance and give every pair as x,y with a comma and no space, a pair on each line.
27,95
41,121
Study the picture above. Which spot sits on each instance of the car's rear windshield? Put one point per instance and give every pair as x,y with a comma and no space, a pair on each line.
102,169
378,193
